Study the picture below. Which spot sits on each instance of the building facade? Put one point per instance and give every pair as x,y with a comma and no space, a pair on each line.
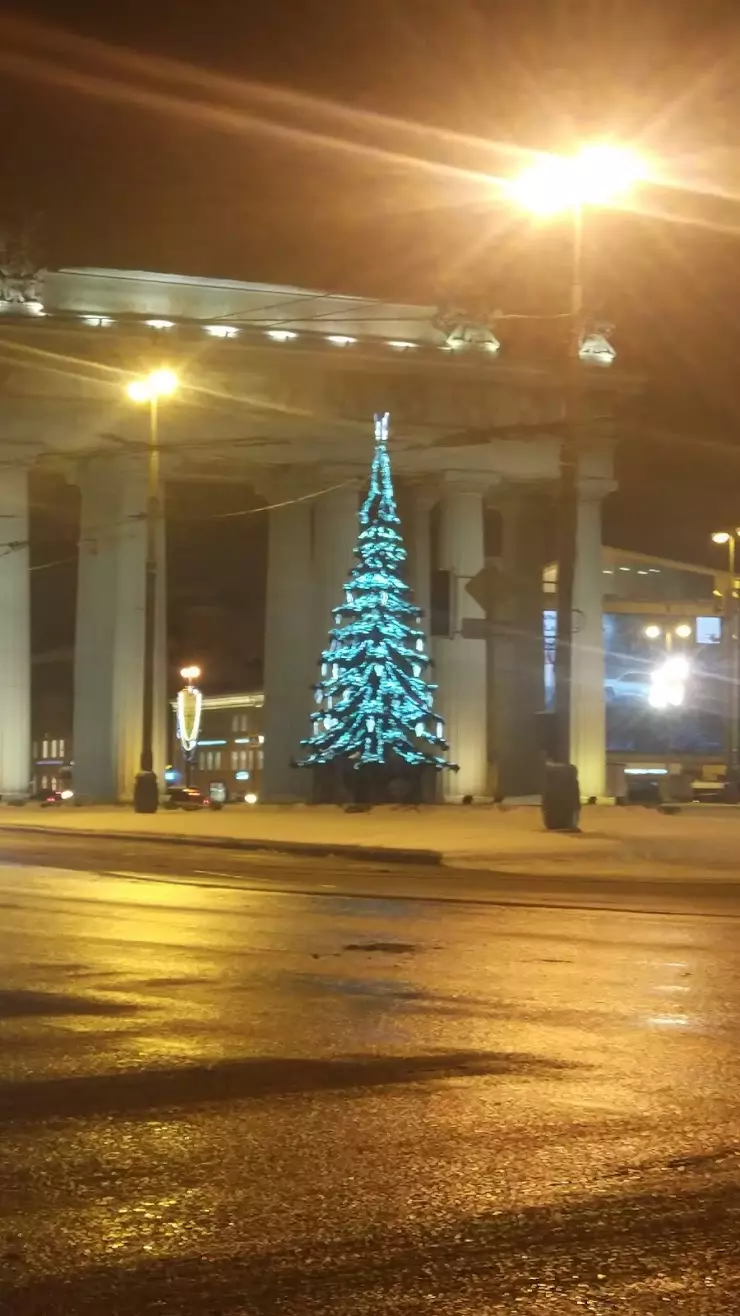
283,384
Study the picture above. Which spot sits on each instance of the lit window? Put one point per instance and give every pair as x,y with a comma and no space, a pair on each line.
243,760
234,760
53,783
201,760
161,324
61,748
53,749
45,749
235,722
44,783
217,758
260,760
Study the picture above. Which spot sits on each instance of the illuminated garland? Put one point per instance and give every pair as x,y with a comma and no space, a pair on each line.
375,704
189,708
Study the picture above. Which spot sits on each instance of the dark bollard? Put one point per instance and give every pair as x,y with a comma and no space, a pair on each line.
561,799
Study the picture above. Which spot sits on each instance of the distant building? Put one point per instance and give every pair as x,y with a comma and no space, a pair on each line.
230,746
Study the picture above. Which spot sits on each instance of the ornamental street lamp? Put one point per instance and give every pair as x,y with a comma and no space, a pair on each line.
595,176
148,389
731,637
189,708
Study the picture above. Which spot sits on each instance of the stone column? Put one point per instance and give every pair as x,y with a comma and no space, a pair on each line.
461,663
417,538
15,635
290,652
109,644
517,646
335,534
588,711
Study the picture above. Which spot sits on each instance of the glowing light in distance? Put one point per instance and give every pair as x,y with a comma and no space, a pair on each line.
400,345
160,324
160,383
190,674
683,631
281,335
250,798
596,175
668,683
721,537
67,795
222,330
340,340
653,632
97,321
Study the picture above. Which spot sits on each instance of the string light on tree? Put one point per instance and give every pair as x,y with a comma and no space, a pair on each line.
374,671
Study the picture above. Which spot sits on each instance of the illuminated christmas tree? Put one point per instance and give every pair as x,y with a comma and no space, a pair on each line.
375,705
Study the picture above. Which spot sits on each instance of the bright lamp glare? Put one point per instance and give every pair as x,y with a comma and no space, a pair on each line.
138,390
721,537
159,384
163,383
597,175
190,673
668,683
250,799
683,631
653,632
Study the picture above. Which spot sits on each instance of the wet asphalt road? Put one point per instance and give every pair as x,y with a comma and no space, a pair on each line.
233,1100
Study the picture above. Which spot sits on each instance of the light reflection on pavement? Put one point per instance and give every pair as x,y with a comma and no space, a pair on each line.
216,1100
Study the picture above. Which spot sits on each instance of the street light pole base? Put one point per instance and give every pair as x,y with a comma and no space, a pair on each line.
146,793
561,798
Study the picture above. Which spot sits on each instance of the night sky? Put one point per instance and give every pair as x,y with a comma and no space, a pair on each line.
157,135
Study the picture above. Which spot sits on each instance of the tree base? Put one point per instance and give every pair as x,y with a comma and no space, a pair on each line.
374,783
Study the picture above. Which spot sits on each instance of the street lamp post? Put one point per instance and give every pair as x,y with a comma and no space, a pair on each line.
732,648
596,175
148,390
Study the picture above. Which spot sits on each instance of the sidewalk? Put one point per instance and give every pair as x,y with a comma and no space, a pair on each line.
702,842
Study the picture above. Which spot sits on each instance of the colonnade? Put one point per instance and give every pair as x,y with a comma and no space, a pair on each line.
490,688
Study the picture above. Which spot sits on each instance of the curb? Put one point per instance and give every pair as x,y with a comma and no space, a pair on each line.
314,849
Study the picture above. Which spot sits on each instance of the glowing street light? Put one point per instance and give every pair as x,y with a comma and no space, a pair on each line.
148,390
595,175
683,631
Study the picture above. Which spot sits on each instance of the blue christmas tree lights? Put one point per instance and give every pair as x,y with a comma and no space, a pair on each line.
375,704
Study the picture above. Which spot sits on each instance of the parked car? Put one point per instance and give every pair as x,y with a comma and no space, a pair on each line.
634,686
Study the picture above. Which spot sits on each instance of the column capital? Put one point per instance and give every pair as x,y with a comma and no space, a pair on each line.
594,488
468,482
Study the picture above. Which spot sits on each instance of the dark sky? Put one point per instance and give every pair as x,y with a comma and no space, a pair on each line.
171,146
